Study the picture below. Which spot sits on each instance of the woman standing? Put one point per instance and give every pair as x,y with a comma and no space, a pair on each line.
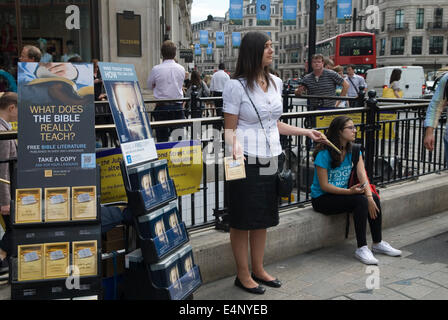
394,85
253,95
331,195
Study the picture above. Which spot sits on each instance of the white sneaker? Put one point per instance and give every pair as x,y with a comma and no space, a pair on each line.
364,255
385,248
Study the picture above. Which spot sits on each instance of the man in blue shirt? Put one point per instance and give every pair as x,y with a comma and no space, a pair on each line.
438,104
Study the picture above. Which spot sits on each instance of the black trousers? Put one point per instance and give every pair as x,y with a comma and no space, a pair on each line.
218,103
165,113
331,204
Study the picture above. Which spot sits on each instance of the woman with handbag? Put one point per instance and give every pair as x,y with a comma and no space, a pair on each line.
331,194
252,109
393,91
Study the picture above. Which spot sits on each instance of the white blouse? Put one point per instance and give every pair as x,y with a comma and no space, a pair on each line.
249,131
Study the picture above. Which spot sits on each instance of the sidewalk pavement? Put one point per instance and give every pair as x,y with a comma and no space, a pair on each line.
334,273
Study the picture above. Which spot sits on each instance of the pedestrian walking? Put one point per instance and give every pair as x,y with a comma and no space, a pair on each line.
331,194
166,81
202,91
439,102
217,85
8,151
252,109
393,91
355,82
322,82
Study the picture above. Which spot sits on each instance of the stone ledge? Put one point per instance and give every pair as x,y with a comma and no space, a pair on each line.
304,230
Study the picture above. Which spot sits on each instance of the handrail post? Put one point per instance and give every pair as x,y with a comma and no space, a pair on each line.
361,96
372,106
195,109
286,109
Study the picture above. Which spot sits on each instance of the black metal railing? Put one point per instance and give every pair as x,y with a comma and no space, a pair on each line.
391,130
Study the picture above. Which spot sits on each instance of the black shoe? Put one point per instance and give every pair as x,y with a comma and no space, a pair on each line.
274,283
256,290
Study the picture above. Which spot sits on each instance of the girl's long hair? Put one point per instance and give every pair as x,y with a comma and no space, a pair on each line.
333,134
395,76
195,79
250,59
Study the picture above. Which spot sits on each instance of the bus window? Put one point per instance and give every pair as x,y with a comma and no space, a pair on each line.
356,46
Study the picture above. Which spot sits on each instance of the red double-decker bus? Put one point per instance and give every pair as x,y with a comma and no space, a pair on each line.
357,48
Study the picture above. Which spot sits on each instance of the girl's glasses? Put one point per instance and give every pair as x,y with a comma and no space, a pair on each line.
353,128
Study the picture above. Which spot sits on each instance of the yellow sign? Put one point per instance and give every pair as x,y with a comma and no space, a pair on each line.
388,127
184,164
112,187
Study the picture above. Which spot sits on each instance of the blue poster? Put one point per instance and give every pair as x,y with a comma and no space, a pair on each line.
210,49
197,49
289,12
220,40
344,9
203,38
269,34
129,112
263,12
236,12
236,39
320,13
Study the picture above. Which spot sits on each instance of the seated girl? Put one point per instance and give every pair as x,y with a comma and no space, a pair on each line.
331,195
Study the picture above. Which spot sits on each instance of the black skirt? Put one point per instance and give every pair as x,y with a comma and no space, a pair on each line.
253,202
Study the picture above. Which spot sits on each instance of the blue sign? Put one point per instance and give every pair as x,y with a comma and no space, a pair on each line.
236,12
197,49
320,13
210,49
203,38
220,39
263,12
344,10
236,39
289,12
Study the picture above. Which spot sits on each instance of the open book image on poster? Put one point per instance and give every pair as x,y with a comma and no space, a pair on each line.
234,169
44,83
130,115
28,206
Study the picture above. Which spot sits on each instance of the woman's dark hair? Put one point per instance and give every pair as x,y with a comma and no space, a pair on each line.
333,134
250,59
395,76
195,78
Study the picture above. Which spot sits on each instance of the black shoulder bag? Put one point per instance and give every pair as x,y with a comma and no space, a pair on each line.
284,177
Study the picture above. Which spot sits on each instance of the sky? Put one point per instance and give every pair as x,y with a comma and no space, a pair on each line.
202,8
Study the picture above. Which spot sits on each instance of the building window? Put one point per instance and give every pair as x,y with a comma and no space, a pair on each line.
436,45
399,19
397,46
438,17
383,21
294,57
417,44
420,18
383,47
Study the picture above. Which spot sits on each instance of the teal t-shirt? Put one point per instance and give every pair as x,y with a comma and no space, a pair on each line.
338,177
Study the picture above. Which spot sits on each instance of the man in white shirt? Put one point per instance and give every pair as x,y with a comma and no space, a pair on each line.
217,84
166,80
355,82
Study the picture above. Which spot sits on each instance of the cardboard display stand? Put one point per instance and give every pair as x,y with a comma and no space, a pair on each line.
55,213
151,192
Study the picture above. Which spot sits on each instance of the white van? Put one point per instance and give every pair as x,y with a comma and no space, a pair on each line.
412,80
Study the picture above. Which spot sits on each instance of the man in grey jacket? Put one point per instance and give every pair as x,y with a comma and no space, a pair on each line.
8,150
